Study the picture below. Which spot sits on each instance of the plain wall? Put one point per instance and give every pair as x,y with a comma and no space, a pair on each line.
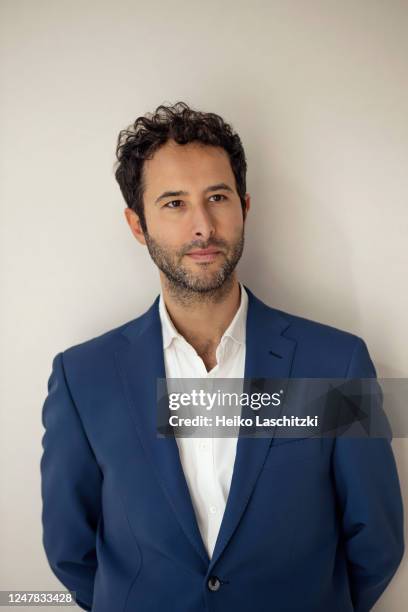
318,92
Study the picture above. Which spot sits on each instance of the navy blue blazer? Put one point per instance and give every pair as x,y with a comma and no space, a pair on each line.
310,525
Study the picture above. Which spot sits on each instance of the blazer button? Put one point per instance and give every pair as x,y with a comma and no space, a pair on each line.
213,583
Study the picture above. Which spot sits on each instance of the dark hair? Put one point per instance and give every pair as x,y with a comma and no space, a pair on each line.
148,133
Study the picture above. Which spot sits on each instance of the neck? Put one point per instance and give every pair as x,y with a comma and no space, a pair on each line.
202,318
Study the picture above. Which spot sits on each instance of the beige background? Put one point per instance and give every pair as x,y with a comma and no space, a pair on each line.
318,92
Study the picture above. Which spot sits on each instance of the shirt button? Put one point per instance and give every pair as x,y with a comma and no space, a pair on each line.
213,583
213,509
203,446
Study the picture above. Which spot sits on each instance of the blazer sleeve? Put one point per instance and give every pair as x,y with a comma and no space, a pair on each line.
369,496
71,483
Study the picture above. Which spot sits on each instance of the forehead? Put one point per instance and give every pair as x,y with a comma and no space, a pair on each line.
178,166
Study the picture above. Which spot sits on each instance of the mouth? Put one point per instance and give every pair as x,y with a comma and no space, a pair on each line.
204,254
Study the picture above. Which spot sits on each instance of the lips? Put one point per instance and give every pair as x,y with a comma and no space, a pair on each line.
204,255
203,252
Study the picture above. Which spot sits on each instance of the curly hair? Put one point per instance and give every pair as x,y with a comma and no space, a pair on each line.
178,122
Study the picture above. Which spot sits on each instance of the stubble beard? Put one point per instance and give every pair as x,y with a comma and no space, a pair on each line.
189,288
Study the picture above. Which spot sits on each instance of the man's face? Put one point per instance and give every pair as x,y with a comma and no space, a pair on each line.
190,204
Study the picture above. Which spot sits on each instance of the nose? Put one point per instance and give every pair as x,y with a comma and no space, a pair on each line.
203,225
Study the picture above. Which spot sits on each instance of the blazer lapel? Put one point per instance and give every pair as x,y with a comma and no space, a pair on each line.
268,355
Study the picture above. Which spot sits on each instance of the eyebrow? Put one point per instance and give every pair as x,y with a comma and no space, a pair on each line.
173,194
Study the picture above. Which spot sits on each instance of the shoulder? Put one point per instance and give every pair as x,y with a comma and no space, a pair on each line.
325,350
295,326
96,349
320,347
304,328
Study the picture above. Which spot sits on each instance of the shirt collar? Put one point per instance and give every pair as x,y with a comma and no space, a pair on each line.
236,329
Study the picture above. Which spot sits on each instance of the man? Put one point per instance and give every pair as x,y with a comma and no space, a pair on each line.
137,522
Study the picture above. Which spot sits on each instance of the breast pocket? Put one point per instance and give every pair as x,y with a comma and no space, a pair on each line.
285,451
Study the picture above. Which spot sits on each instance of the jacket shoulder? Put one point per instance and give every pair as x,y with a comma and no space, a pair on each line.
321,349
297,327
95,348
303,327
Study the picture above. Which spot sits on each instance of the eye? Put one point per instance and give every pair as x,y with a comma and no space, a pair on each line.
169,204
218,195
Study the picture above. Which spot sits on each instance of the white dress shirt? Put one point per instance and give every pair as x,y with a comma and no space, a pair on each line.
207,463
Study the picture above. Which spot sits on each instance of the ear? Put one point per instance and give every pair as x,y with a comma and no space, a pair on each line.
133,221
247,205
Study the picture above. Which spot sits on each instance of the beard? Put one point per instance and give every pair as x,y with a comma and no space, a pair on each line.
209,280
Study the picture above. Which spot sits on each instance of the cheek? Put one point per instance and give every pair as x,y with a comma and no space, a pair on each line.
232,226
162,231
235,216
170,237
